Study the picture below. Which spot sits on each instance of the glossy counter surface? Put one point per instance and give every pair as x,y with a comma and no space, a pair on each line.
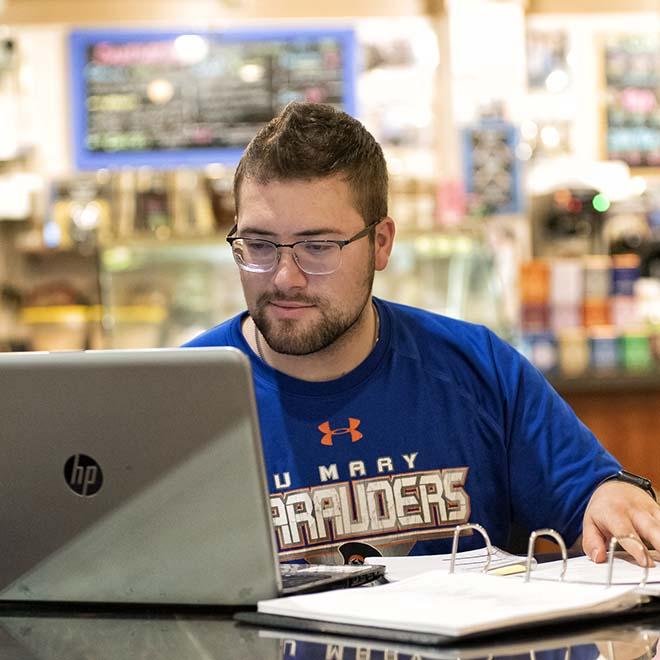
59,636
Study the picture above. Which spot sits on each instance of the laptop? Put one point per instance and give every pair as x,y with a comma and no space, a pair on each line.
137,476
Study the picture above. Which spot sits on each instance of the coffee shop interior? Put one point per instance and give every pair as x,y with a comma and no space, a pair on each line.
522,140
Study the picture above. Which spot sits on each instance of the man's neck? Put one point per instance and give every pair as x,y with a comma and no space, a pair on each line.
344,355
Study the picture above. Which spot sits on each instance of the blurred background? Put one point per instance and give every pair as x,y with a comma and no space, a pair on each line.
522,139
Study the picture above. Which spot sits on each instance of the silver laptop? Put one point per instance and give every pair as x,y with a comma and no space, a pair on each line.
137,477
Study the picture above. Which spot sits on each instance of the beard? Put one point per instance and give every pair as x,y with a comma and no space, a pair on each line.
290,337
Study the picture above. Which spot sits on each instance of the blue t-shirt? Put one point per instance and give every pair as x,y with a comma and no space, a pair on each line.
442,424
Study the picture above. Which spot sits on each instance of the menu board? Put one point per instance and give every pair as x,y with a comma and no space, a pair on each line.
632,74
170,99
492,172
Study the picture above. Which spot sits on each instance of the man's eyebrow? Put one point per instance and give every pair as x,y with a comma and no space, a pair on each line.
318,232
255,230
304,233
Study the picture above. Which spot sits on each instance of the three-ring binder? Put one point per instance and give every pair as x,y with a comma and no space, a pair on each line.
470,603
546,531
454,545
557,537
610,558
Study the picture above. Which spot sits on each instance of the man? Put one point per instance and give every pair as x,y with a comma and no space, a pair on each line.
385,426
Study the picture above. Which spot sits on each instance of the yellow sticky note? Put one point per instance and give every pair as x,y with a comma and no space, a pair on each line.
509,570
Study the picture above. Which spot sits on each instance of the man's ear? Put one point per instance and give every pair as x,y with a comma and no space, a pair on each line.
384,240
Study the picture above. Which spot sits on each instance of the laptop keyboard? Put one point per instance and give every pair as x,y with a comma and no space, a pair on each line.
296,577
291,580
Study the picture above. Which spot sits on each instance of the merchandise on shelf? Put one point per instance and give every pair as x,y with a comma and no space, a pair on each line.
87,211
58,316
592,313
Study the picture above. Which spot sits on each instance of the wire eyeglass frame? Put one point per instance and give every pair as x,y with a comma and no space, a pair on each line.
255,268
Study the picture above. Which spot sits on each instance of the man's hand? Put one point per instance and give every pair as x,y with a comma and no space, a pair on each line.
619,509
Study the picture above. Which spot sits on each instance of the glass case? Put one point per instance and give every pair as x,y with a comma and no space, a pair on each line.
454,274
164,293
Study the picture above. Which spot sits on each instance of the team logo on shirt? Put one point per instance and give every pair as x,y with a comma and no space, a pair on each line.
352,516
329,433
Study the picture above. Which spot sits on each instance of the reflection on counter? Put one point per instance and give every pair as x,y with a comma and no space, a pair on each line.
607,644
173,637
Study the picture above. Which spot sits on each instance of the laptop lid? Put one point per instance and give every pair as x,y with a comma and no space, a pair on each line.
133,476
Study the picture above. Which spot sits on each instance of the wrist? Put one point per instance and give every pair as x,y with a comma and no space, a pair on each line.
626,477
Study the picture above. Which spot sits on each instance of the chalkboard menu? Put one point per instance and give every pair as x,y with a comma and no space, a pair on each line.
492,172
632,73
169,99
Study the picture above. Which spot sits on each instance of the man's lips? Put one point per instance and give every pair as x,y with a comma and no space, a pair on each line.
289,308
287,304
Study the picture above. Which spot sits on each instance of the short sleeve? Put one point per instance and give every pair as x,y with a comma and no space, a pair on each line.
555,461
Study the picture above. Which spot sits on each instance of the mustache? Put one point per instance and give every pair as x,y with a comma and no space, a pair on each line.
276,297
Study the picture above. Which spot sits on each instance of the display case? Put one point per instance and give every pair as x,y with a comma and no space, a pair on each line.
162,294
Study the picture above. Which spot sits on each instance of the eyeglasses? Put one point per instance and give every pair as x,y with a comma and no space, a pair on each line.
314,257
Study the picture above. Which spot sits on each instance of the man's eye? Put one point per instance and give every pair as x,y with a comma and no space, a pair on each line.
318,248
257,246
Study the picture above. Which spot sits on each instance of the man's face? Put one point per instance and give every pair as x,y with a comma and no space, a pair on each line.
297,313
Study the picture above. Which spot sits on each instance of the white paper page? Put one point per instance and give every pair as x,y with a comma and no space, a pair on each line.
582,569
468,561
453,604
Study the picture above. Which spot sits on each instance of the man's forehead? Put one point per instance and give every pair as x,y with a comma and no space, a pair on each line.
290,227
331,184
297,206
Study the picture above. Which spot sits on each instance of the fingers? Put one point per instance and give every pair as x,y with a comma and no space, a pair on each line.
594,543
596,547
634,546
622,511
645,527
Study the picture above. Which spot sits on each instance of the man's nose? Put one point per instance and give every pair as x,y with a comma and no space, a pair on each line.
288,274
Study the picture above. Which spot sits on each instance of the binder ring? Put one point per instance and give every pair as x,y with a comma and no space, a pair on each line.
454,545
530,550
610,558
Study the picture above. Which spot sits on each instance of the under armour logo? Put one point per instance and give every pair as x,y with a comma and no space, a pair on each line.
329,433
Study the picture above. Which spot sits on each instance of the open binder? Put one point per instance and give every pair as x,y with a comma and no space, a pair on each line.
446,604
623,570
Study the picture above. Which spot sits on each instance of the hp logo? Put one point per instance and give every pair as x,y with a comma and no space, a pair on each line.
83,475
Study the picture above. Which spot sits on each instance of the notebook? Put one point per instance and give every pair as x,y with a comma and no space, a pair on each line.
137,477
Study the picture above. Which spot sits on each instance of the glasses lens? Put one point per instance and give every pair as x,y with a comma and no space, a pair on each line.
318,257
254,255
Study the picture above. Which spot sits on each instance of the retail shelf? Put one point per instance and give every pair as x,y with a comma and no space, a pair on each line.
139,255
41,252
607,381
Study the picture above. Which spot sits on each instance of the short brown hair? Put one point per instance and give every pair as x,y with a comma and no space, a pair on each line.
313,140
